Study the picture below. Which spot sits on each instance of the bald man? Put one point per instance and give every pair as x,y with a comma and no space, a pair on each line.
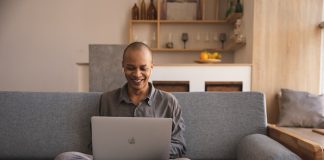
139,98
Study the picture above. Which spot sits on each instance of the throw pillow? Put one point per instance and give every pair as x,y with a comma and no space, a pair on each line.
301,109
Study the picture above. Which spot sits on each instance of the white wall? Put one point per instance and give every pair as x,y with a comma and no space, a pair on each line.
41,40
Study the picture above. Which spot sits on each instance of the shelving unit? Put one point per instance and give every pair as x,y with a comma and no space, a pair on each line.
155,32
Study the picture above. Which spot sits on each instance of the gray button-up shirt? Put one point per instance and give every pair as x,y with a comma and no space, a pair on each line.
157,104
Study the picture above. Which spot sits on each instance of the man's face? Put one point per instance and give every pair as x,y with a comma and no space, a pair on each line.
137,66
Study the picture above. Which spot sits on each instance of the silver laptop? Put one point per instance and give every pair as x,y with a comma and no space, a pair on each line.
131,138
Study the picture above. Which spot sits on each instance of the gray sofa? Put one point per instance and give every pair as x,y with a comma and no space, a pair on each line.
40,125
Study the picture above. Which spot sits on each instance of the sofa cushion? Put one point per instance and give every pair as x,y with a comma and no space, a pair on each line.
261,147
41,125
217,121
301,109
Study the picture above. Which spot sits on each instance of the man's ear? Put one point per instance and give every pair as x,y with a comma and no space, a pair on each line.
123,69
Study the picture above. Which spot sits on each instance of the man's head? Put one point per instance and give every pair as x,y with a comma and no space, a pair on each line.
137,64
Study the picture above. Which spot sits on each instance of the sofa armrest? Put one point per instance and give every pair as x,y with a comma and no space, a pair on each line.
302,141
261,147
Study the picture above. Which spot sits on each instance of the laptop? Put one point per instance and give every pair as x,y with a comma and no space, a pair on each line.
131,138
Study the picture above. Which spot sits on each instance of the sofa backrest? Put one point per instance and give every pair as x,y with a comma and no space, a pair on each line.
40,125
215,122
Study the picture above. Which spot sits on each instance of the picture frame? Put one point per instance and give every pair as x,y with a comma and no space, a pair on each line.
181,9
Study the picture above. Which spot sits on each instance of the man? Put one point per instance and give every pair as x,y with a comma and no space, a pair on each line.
139,98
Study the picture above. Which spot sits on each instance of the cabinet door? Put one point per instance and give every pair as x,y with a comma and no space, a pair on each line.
223,86
172,86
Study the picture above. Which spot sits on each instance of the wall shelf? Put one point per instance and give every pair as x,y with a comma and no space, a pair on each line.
143,21
156,33
194,21
181,21
233,46
228,47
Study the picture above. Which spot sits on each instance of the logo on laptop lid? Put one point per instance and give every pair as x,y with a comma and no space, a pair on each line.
131,140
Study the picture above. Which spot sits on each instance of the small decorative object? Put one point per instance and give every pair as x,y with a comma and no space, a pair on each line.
153,42
222,38
207,37
215,36
237,29
238,7
143,10
151,11
209,56
135,38
231,8
169,44
199,10
153,36
163,9
198,36
135,12
184,38
240,38
237,35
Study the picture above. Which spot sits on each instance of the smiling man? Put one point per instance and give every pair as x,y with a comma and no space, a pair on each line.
137,64
139,98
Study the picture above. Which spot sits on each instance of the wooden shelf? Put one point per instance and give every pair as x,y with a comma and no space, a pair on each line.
176,50
231,19
233,46
143,21
193,21
229,47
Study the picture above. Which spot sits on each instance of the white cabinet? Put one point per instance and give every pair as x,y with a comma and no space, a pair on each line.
197,75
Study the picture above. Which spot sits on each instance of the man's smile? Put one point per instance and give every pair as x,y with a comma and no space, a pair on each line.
137,81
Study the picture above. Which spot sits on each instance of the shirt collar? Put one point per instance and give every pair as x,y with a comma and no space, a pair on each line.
124,95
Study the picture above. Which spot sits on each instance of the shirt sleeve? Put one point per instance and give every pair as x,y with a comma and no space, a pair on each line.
178,146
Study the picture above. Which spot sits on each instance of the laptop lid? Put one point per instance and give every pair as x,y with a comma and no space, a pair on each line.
131,138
